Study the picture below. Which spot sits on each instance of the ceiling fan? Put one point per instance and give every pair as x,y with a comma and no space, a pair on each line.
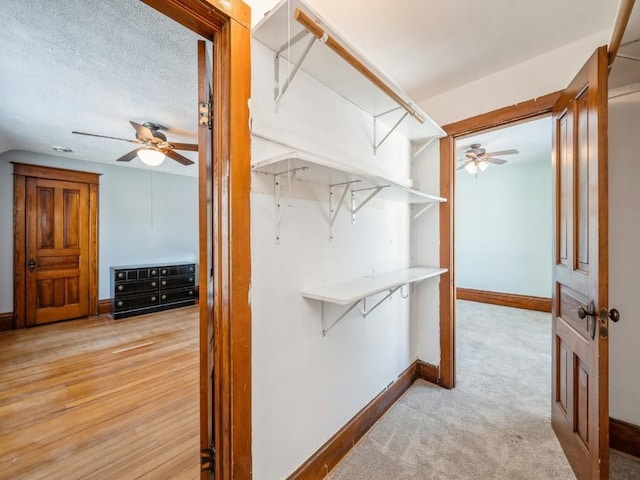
154,145
478,159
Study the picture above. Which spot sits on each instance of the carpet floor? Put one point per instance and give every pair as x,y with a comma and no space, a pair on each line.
494,425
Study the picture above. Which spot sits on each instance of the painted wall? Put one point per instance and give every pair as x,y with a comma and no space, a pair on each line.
503,229
306,386
624,257
144,217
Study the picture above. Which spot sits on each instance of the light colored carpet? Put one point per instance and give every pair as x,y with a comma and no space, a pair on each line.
494,425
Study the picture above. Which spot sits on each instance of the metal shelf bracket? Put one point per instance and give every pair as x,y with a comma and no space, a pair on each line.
354,207
334,208
363,308
376,144
278,91
422,210
278,186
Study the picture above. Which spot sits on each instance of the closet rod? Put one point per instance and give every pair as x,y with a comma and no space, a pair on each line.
625,7
307,22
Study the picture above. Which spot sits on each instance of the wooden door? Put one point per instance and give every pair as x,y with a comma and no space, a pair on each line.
57,239
207,334
580,407
55,257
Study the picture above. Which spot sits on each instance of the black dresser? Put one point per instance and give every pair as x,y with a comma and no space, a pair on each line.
139,289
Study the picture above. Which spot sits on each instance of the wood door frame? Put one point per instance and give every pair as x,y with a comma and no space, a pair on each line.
22,171
227,24
496,118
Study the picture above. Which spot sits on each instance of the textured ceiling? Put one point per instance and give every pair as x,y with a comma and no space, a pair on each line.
93,65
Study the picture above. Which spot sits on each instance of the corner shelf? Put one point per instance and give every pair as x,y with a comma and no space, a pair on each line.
291,29
341,179
356,291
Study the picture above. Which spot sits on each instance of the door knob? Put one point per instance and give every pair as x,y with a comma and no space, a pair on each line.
582,313
614,315
32,265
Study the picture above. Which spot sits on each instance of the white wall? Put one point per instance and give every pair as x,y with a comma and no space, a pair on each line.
503,229
306,386
144,217
624,257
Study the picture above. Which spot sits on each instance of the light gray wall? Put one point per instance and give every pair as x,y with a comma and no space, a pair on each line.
624,257
144,217
503,229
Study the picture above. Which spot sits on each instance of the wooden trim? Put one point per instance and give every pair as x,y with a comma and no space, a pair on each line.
625,7
19,251
312,26
6,321
624,436
528,302
447,280
105,306
52,173
502,116
496,118
427,372
334,450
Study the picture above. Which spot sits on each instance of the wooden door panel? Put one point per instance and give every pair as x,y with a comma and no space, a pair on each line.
58,243
580,271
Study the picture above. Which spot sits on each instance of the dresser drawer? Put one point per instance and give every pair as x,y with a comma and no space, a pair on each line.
177,282
136,301
177,295
135,286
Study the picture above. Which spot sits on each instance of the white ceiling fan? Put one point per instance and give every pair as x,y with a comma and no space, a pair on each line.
477,159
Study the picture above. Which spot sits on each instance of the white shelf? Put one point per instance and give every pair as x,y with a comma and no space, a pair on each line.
356,291
351,291
278,28
324,171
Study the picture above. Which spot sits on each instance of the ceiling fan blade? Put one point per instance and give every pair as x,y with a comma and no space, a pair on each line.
142,132
105,136
497,161
127,157
465,164
177,157
185,146
502,152
471,155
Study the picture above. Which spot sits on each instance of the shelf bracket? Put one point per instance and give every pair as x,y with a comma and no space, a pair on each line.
419,149
278,90
363,302
335,208
277,196
376,144
422,210
325,329
354,207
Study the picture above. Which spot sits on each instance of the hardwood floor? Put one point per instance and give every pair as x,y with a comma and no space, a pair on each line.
101,399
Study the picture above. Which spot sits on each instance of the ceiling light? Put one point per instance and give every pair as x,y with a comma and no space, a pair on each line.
473,168
151,156
59,149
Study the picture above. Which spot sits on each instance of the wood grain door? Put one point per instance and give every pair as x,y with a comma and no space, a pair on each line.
580,408
57,250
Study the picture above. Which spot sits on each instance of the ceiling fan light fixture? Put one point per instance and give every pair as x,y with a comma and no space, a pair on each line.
476,167
151,156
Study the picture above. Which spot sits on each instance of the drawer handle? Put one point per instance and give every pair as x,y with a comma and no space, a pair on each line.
120,303
120,275
191,269
120,288
153,299
153,272
164,282
164,297
164,272
190,292
191,279
153,284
